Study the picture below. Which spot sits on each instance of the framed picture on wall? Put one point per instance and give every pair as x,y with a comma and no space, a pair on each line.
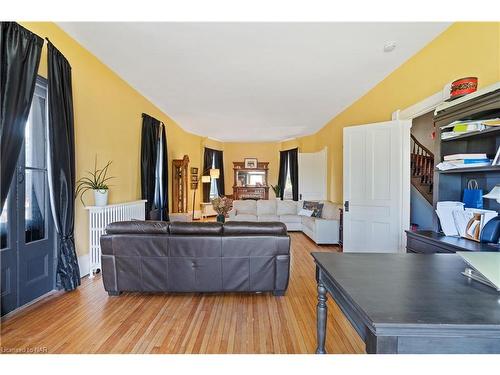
194,178
250,163
194,170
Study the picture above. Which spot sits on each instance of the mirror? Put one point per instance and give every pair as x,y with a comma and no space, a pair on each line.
251,178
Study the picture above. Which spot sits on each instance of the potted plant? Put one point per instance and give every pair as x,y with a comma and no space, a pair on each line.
96,181
277,190
222,205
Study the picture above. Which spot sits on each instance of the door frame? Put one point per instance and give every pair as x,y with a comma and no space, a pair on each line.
17,224
424,106
404,212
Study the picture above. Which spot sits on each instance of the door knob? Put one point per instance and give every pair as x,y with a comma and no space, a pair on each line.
346,206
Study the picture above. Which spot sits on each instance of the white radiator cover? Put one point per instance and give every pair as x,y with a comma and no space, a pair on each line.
100,217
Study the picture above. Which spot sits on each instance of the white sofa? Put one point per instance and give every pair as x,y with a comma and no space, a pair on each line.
324,230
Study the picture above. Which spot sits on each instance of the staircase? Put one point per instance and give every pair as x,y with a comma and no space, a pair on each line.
422,168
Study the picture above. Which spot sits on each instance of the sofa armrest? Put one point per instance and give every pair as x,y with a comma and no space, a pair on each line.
232,214
326,231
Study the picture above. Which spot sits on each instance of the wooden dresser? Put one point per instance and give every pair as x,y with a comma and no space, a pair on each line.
250,183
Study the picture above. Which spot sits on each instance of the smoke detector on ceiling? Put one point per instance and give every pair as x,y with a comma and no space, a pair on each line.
389,46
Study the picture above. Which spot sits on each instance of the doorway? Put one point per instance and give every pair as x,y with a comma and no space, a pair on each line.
27,241
422,171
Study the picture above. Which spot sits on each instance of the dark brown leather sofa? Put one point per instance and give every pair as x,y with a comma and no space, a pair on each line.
154,256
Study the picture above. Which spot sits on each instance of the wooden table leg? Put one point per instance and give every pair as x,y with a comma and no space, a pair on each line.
321,311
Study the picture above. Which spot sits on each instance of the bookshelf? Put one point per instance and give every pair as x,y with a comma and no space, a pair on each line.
449,184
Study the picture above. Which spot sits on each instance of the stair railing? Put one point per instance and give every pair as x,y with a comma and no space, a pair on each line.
421,162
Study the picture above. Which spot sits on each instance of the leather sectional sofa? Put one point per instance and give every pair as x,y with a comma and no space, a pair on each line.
322,230
154,256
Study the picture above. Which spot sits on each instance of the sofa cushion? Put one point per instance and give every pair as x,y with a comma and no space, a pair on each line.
245,207
266,207
290,219
241,228
330,211
267,218
286,208
138,227
196,229
308,222
244,217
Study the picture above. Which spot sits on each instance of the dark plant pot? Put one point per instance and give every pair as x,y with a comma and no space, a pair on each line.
221,218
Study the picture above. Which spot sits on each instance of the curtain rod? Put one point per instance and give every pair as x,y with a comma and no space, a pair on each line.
145,114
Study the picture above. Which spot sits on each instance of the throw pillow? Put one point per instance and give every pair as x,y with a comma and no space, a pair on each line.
304,212
316,207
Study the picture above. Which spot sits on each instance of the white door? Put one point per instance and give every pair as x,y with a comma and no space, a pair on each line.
312,175
376,186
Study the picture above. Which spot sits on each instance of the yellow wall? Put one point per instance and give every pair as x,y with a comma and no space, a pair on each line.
464,49
236,151
108,111
108,123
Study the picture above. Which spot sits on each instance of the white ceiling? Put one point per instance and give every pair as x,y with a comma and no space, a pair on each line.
252,81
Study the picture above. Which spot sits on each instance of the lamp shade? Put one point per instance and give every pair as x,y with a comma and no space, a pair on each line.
214,173
205,179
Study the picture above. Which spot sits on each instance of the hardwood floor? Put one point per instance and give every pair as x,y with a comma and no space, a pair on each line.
88,321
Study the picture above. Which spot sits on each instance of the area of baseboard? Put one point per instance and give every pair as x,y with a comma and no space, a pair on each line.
83,263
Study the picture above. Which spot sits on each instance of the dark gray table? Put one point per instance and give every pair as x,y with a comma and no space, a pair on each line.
409,303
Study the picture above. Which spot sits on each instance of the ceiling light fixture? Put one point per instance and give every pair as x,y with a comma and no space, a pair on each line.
389,46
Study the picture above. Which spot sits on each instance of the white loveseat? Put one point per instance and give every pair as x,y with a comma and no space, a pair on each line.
324,230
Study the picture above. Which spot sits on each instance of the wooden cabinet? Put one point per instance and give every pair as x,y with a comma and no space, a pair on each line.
250,183
180,185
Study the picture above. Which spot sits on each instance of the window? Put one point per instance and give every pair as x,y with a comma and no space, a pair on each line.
288,193
35,173
214,192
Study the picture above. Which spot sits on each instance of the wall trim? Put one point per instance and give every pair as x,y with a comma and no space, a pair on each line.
424,106
83,263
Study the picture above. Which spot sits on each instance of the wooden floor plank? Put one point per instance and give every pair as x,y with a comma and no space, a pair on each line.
88,321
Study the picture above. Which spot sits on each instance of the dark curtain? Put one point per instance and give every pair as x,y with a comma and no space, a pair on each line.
293,160
282,172
154,168
19,60
163,157
61,149
219,164
208,158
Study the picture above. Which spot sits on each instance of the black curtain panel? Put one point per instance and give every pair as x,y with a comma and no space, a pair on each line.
20,51
219,164
293,160
149,151
61,147
154,168
208,158
163,156
283,171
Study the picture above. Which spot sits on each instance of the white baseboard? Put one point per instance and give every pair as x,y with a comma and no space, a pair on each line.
83,263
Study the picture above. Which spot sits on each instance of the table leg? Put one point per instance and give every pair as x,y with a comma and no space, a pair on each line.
321,311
